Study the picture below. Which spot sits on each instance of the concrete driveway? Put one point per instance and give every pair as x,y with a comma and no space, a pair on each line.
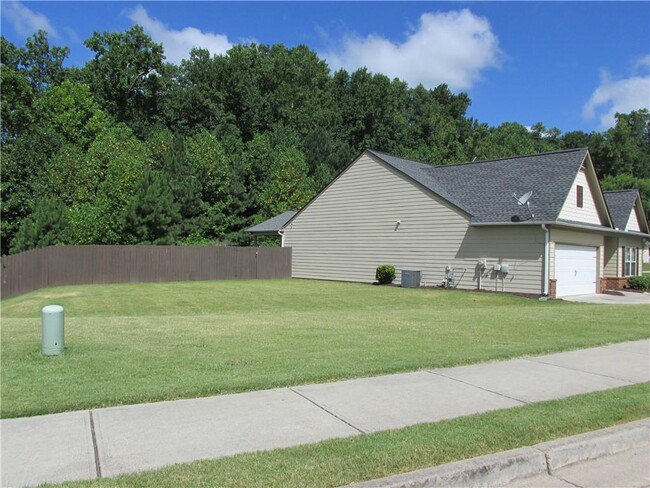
616,298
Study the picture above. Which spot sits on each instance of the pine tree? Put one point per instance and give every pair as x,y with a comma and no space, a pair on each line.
45,227
152,215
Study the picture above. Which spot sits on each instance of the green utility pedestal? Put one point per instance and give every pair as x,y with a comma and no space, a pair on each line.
52,330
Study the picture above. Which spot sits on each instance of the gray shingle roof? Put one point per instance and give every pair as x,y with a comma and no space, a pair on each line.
484,189
273,225
620,203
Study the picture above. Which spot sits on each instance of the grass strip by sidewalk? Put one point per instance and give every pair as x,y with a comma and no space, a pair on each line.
342,461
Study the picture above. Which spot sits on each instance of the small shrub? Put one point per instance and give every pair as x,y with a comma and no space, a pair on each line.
385,274
639,282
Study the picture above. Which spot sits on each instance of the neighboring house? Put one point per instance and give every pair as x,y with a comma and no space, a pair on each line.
467,225
627,214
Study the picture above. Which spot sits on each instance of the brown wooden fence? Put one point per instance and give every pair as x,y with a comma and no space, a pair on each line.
76,265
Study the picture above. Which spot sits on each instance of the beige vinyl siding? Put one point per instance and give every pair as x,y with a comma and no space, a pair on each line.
577,238
611,260
614,253
633,222
351,227
588,213
522,248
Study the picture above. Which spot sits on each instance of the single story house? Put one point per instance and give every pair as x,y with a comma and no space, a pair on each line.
537,224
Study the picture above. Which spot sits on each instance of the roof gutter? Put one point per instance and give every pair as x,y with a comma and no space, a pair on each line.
492,224
605,230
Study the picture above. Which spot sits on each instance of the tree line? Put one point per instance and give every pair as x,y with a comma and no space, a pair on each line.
129,149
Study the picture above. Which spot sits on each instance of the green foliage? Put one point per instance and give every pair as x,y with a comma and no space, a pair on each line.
195,240
153,213
45,227
438,127
119,160
159,145
323,149
184,181
71,111
238,137
70,176
15,104
41,64
626,146
372,110
639,282
627,181
385,274
289,187
124,75
87,222
22,163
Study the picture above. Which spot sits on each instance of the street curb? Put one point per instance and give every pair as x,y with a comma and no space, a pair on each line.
592,445
491,470
505,467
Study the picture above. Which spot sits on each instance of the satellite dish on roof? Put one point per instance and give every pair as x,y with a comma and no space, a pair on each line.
525,200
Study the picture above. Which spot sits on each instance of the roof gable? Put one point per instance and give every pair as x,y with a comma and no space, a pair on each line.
485,189
626,206
410,171
620,203
591,208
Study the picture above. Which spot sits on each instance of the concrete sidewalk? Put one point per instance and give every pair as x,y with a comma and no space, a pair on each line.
110,441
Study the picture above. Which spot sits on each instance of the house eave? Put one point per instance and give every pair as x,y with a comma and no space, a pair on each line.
264,232
567,225
502,224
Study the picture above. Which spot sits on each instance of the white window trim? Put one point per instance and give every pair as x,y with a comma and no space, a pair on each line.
630,261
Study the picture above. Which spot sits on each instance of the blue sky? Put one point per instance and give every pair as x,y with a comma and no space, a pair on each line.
569,65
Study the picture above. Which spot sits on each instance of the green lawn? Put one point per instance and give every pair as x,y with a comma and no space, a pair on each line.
343,461
134,343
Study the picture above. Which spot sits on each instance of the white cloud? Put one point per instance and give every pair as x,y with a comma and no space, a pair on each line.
452,47
178,43
643,63
620,96
25,21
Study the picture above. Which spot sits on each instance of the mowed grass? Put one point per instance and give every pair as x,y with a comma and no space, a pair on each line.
134,343
343,461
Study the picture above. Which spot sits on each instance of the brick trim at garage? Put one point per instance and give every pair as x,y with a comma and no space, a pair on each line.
613,283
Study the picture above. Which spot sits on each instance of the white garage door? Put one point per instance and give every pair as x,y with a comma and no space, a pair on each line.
575,270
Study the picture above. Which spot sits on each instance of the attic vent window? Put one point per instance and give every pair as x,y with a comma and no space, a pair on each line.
579,196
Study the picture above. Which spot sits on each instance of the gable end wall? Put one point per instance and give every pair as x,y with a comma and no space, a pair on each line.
588,213
633,222
351,228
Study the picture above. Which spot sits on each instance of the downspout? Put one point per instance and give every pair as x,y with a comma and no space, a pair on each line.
282,237
547,253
